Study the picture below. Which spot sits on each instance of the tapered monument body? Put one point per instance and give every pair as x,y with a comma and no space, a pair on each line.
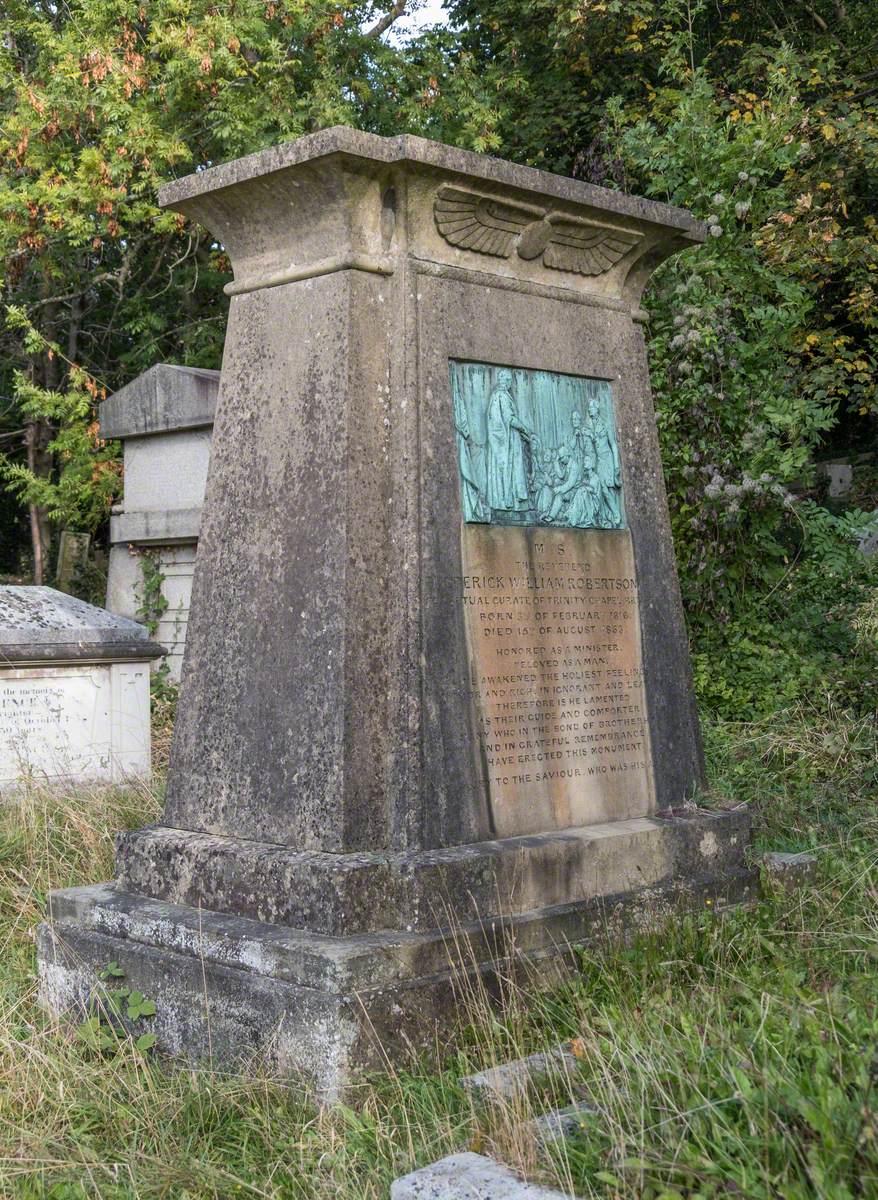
436,668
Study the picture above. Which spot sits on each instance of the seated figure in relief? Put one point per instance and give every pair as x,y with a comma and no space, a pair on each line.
583,511
569,479
543,479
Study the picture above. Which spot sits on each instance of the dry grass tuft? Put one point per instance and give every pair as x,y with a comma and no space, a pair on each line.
723,1055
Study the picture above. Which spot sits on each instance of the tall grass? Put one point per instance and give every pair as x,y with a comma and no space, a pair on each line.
727,1055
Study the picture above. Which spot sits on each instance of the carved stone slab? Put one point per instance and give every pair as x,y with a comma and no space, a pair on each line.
468,1176
76,722
554,640
536,448
494,225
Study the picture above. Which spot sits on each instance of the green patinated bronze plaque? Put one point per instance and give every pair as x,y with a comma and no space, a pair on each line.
536,448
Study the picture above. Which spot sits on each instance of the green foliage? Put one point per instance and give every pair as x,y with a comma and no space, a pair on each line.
153,602
87,478
762,119
101,102
89,581
111,1013
808,640
744,392
163,690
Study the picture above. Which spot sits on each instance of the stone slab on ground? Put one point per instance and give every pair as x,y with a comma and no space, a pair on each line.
468,1177
512,1079
340,894
790,869
315,1005
559,1123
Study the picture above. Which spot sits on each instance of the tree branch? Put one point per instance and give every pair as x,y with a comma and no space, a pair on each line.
62,299
818,20
387,20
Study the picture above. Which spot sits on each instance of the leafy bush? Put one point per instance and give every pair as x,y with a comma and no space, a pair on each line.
763,120
746,383
812,639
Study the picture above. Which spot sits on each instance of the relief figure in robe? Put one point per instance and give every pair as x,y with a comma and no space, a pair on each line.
506,482
579,440
607,468
545,476
583,511
474,507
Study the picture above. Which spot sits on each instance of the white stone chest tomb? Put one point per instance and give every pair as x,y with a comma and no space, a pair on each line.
74,690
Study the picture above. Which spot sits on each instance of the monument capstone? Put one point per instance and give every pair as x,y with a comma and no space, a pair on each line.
436,672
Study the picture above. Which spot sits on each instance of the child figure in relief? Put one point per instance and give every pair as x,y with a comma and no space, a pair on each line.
544,478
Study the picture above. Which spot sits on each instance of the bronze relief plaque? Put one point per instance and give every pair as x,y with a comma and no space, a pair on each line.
550,602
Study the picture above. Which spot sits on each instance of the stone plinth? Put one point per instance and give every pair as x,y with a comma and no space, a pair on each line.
436,675
164,419
74,690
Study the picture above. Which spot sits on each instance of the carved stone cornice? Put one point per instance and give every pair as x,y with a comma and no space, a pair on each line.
341,200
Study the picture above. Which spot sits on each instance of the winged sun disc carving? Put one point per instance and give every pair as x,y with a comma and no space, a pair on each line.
497,227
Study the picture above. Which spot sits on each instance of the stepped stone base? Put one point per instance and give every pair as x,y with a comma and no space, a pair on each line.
325,1004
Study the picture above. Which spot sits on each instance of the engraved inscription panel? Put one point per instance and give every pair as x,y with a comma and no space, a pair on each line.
72,722
554,641
53,721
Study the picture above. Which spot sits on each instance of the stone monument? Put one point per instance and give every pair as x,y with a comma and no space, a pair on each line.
72,555
74,690
437,673
164,419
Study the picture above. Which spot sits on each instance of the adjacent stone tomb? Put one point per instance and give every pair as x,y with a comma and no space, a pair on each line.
436,672
74,690
164,419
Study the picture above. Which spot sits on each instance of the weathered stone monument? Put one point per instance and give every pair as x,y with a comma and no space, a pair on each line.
74,690
437,673
72,554
164,419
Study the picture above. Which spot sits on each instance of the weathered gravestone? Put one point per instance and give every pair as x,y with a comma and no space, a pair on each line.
74,690
72,556
437,672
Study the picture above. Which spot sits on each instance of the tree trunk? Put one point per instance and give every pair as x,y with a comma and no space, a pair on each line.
40,463
47,373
